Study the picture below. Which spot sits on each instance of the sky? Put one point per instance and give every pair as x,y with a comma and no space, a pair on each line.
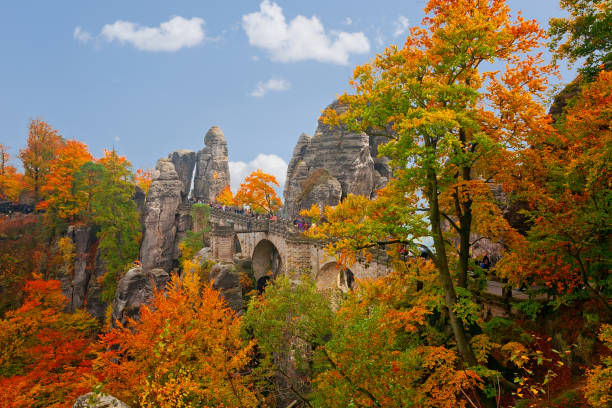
148,77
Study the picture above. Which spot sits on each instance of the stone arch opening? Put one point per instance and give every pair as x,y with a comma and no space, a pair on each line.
266,260
347,280
331,276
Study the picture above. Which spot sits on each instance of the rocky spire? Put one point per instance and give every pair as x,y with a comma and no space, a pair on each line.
160,226
332,164
212,171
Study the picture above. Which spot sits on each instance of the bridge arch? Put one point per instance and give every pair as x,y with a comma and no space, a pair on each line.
266,260
331,276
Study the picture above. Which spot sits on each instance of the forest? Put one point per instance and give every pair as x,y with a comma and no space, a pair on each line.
464,104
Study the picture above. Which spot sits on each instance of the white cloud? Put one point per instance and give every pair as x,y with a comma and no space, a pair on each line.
348,21
171,35
275,85
301,39
268,163
401,26
81,36
117,138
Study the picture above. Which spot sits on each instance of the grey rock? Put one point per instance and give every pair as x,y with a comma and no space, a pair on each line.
226,280
158,249
95,305
161,278
93,400
184,223
349,158
212,171
243,262
139,198
184,162
75,284
203,254
133,290
325,190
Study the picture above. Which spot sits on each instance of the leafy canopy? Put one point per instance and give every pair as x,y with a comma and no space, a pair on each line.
184,351
257,191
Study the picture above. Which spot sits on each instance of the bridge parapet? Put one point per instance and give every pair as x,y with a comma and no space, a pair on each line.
247,223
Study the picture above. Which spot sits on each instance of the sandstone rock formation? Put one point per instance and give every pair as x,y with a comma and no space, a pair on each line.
226,280
184,162
330,165
95,305
160,218
80,281
135,289
212,172
76,289
93,400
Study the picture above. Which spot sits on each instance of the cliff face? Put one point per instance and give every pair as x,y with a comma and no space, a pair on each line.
166,217
330,165
184,162
212,172
160,226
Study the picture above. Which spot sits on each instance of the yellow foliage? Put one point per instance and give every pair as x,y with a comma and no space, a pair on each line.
313,213
226,197
598,389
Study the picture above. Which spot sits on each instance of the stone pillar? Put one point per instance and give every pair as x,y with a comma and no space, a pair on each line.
222,243
298,257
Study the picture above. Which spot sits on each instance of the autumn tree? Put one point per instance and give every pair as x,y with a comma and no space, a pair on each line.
387,347
598,388
10,179
184,351
64,200
566,177
585,33
226,197
45,353
40,152
86,180
289,322
452,122
114,212
144,178
257,191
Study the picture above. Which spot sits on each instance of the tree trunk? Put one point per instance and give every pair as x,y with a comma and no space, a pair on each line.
446,280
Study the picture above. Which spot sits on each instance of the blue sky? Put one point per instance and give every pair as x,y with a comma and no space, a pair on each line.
149,77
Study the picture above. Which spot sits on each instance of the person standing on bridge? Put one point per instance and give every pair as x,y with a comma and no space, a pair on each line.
485,264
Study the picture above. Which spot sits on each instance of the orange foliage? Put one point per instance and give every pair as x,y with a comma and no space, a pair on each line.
598,388
257,192
62,198
566,177
185,350
226,197
41,150
374,360
45,353
143,179
10,181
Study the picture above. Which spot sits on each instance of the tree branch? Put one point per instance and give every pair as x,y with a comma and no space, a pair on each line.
357,387
450,220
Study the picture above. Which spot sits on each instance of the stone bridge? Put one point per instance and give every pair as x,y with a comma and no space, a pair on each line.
278,247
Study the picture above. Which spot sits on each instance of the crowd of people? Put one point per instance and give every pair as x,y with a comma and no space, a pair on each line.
300,223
